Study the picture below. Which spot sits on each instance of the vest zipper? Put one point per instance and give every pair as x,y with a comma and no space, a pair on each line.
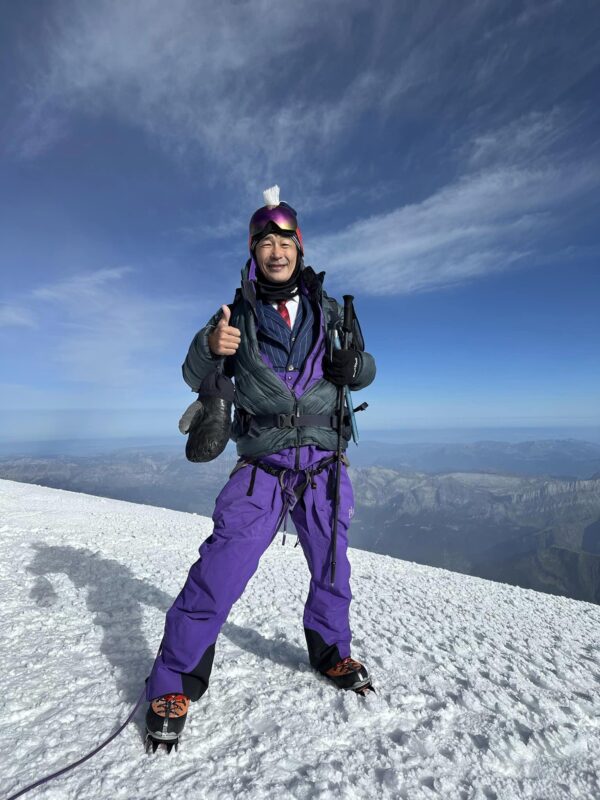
296,413
312,369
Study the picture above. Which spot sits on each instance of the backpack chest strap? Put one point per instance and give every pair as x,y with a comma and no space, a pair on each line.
254,423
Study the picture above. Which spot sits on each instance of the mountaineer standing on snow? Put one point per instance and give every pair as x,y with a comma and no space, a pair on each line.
274,340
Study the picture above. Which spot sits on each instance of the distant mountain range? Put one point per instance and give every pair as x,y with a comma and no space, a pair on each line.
560,458
539,533
565,457
526,528
157,477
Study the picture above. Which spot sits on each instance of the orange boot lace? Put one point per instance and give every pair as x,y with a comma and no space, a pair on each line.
344,666
173,705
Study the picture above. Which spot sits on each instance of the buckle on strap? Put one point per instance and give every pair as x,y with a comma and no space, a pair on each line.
288,421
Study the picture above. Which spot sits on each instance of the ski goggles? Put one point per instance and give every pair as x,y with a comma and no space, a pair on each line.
283,216
275,219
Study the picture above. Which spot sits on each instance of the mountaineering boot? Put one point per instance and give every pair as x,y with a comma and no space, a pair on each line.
165,719
350,674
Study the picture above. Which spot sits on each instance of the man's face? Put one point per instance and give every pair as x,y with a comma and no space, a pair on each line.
276,257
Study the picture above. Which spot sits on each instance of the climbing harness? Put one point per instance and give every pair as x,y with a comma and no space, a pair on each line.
291,496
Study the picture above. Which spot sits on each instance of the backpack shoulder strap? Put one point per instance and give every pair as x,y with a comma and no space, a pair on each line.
236,299
330,310
228,369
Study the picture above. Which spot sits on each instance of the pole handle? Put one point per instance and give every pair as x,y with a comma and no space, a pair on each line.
348,313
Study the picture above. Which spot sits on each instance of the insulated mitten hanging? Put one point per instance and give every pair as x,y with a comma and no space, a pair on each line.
207,421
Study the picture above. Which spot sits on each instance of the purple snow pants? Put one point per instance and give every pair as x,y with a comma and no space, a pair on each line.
244,526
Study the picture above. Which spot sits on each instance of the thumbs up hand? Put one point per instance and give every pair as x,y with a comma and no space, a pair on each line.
224,340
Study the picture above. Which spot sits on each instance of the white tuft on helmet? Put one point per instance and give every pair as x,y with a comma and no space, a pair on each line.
271,196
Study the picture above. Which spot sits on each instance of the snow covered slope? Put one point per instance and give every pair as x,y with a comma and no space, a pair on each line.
485,690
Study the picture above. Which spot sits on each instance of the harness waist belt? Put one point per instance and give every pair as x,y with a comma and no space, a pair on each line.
280,471
296,420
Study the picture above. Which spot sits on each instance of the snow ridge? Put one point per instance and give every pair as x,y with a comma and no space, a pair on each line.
485,691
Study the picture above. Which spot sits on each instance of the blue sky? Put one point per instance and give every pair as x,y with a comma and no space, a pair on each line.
443,158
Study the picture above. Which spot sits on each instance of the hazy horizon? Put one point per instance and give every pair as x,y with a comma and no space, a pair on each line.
451,435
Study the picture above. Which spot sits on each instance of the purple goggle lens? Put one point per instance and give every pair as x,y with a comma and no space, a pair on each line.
282,215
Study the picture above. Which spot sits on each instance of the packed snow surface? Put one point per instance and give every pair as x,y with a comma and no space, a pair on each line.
484,690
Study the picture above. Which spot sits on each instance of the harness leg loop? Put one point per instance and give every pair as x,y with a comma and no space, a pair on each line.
252,479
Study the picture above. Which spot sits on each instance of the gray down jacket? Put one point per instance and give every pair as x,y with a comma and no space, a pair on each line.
258,389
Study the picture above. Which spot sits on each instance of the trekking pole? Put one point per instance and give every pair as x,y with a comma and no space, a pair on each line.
349,404
347,330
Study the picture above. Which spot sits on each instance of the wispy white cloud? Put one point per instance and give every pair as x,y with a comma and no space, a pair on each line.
203,231
231,85
523,140
86,288
268,88
108,333
16,316
218,81
489,219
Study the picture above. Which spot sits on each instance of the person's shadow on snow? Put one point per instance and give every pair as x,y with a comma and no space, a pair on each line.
276,650
115,598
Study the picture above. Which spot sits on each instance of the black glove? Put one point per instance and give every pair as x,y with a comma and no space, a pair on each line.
343,368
